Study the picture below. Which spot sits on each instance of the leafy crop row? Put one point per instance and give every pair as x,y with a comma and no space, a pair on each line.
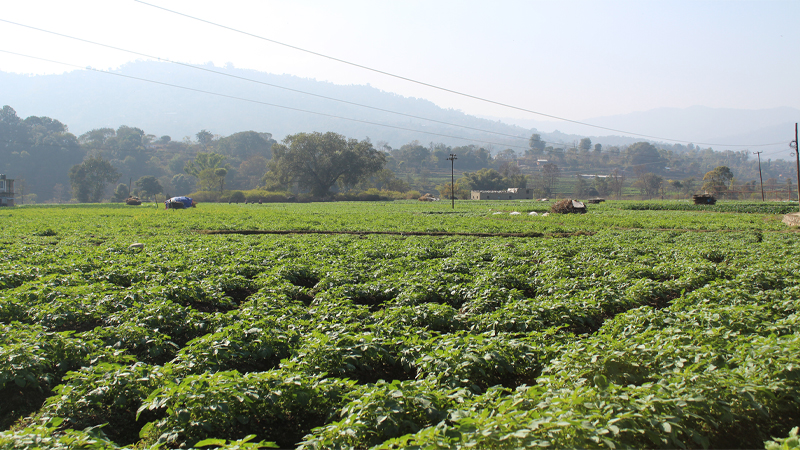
623,338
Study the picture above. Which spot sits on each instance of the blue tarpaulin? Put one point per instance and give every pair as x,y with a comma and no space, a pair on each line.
185,201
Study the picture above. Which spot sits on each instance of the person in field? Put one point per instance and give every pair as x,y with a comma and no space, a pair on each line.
180,203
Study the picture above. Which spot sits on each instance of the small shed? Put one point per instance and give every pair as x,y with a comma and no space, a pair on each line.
568,206
704,199
508,194
6,191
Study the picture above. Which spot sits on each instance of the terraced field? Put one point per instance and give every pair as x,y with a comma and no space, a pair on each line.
627,327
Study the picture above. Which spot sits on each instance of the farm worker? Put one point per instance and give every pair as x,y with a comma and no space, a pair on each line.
179,202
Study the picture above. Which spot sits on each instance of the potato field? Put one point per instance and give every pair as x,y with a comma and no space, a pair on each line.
402,325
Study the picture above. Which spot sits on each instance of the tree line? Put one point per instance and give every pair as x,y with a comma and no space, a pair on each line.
53,165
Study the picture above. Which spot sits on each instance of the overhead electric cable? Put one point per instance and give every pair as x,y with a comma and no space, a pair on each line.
262,82
433,86
260,102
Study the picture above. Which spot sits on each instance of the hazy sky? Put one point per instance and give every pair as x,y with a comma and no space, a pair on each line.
574,59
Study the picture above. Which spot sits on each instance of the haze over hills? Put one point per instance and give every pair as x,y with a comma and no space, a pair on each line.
699,124
86,100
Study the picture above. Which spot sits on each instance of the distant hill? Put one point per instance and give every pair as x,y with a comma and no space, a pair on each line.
695,124
85,100
713,125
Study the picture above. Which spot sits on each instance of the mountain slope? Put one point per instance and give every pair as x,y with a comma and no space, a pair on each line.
86,100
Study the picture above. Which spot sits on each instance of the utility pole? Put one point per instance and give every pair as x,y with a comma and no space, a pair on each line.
797,159
452,159
761,179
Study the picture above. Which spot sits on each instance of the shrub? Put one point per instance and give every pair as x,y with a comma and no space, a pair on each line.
275,406
237,197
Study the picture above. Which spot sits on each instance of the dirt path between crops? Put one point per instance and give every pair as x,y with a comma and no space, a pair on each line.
449,233
401,233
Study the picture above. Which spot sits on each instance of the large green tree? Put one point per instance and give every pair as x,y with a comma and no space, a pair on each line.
717,180
209,170
37,149
211,179
649,184
246,144
490,180
471,157
124,142
121,193
585,145
251,171
89,179
644,155
97,138
581,187
205,138
601,185
414,156
13,130
616,181
536,144
204,161
318,161
181,183
550,174
149,185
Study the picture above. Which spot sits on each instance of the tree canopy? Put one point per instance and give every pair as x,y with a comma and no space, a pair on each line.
536,144
205,138
37,150
246,144
490,180
550,174
649,184
415,156
204,161
89,179
149,185
716,181
644,154
317,161
209,170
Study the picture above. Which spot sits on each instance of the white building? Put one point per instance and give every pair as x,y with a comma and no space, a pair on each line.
509,194
6,191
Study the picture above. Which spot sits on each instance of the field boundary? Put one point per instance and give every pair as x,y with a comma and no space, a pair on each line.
400,233
533,234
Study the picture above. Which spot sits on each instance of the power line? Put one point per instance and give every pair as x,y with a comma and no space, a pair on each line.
411,80
262,82
279,106
308,93
233,97
776,152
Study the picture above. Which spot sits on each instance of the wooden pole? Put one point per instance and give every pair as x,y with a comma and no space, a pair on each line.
797,160
760,178
452,159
